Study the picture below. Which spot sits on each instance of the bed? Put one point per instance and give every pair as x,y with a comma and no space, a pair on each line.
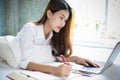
10,57
5,69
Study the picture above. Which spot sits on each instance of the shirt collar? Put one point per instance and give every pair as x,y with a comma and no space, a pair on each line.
41,34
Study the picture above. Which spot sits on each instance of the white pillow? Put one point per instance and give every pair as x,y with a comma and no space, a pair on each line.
4,49
10,51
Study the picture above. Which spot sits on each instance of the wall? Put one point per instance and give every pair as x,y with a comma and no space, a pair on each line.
1,16
15,13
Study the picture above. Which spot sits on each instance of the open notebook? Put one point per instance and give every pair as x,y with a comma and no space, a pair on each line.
35,75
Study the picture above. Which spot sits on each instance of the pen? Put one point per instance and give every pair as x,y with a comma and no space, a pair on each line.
63,58
31,78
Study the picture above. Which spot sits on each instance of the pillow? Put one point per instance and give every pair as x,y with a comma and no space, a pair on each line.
4,49
6,52
10,51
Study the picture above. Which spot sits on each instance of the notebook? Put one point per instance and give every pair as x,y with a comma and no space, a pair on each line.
36,75
103,65
19,76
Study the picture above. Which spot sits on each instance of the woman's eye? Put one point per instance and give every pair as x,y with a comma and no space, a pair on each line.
61,18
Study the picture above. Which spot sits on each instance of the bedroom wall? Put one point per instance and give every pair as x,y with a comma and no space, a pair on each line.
1,16
15,13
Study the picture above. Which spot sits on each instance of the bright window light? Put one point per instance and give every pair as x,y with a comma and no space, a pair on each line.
91,23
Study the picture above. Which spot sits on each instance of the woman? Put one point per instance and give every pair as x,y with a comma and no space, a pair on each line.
45,40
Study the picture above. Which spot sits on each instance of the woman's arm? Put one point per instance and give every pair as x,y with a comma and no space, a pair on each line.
82,61
61,70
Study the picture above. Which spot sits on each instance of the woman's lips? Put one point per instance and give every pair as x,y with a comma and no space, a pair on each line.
59,27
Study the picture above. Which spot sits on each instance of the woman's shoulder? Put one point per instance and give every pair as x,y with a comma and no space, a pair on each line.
30,27
29,24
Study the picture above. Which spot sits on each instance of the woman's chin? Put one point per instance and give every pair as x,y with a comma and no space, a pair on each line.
57,31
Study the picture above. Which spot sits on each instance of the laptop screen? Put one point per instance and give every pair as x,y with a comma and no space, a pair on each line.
112,56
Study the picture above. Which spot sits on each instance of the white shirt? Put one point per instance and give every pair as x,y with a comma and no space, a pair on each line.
34,46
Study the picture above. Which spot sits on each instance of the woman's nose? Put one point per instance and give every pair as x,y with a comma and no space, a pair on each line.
63,23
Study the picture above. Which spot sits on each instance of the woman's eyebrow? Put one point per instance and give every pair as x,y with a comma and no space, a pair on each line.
64,16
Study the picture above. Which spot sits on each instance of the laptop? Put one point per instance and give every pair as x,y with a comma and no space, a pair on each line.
103,65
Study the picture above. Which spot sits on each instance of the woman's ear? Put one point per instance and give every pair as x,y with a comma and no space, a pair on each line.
49,13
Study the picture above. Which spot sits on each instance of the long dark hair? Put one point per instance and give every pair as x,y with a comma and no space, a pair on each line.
60,42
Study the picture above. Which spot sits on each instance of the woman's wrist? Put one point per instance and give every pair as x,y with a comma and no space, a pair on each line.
54,71
76,59
73,59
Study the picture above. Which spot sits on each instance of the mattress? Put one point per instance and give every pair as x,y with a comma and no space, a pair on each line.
6,69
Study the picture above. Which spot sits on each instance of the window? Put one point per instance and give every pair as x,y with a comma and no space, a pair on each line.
113,24
95,21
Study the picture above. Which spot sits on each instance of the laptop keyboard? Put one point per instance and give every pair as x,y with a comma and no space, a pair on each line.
91,68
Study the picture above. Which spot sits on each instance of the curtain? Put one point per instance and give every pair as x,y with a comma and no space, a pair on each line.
15,13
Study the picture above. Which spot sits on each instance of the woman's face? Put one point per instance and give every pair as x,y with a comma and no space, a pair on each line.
58,20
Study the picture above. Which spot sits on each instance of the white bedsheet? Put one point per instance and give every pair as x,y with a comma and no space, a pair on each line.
5,70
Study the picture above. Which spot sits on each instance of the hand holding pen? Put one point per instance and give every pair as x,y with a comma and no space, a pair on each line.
64,69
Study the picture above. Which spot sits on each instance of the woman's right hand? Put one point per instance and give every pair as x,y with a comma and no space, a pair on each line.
63,70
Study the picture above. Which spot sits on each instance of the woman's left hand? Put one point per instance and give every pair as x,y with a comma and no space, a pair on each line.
86,62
